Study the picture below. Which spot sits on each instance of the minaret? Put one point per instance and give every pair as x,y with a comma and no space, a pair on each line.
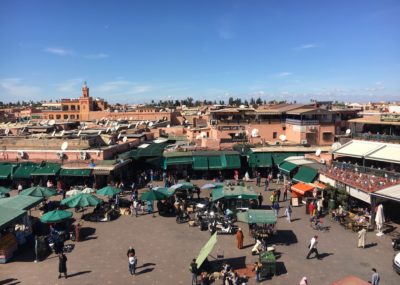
85,90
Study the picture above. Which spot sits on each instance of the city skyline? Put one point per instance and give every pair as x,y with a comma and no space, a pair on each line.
156,50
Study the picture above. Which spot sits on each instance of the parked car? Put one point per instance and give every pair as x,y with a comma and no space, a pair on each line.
396,262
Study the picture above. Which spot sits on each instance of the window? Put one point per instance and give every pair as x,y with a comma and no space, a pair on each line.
77,116
65,108
72,107
78,107
65,117
72,116
58,117
284,128
51,117
274,135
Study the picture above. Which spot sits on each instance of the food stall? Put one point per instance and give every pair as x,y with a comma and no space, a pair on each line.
299,191
235,198
262,223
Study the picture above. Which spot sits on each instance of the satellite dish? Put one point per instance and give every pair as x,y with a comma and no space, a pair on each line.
348,132
7,131
203,134
130,118
64,146
125,139
52,122
168,126
336,145
99,132
119,135
255,133
282,138
108,129
53,134
151,124
129,126
62,133
318,152
79,133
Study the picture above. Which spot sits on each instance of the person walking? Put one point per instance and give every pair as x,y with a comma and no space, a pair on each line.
278,194
193,268
260,199
258,179
313,247
257,269
276,208
375,279
288,213
239,238
303,281
62,265
285,190
361,238
266,184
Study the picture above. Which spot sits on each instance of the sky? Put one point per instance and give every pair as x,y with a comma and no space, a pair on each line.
138,51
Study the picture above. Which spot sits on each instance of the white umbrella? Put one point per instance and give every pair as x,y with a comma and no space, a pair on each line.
88,190
72,192
379,219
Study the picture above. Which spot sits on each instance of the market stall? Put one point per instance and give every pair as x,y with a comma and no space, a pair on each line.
299,191
235,198
262,223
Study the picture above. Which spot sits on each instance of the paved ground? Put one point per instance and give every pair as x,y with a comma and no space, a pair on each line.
165,249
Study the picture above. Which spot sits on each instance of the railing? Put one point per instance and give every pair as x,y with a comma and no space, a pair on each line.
376,137
302,122
366,170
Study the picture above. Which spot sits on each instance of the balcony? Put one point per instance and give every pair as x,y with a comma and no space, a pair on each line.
302,122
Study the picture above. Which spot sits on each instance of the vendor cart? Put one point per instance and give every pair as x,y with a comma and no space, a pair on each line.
268,264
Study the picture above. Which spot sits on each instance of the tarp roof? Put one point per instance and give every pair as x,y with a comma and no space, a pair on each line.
25,170
233,192
9,215
20,202
47,169
305,174
356,148
392,193
206,250
257,217
388,153
5,170
287,167
302,188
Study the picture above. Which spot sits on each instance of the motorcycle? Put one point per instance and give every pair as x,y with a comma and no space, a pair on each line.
183,218
221,227
396,243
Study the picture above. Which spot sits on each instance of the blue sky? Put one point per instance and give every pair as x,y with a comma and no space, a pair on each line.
136,51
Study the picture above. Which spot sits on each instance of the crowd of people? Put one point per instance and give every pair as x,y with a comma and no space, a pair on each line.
365,181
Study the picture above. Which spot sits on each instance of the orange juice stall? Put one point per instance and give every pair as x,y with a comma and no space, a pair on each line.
300,190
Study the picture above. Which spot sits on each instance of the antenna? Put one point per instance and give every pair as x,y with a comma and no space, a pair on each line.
348,132
64,146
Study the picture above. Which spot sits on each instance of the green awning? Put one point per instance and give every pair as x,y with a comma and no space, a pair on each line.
280,157
257,217
48,169
20,202
215,163
305,174
260,159
24,171
232,161
76,172
5,170
206,250
154,149
287,167
179,160
233,192
9,215
200,163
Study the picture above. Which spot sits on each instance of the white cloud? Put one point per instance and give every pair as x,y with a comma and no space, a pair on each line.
96,56
70,86
308,46
283,74
59,51
14,90
121,89
67,52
